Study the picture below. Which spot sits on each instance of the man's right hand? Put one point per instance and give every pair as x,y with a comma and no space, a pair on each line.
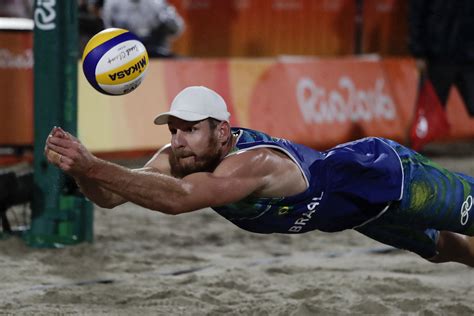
52,156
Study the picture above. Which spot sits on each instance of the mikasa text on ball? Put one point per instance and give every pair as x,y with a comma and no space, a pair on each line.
115,61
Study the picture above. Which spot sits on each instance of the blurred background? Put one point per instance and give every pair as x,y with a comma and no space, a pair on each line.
334,62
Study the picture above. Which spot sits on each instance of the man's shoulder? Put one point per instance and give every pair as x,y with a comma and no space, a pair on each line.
160,160
260,160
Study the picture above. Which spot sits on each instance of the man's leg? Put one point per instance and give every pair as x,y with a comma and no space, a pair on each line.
453,247
437,207
386,230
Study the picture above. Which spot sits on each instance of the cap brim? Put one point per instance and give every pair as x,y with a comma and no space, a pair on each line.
184,115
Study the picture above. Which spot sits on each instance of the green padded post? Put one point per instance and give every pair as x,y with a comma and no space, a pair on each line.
58,216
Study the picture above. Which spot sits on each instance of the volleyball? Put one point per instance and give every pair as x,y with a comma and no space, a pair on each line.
115,61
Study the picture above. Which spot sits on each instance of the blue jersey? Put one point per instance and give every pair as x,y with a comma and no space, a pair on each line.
347,186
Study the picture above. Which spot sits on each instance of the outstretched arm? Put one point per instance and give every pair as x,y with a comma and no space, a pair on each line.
230,182
170,195
92,189
98,194
106,198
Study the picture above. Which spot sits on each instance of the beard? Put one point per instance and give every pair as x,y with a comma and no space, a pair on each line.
204,163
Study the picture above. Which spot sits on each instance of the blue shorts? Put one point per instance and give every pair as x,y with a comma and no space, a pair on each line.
434,199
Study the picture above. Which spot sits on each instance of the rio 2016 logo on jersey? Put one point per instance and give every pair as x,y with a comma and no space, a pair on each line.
465,208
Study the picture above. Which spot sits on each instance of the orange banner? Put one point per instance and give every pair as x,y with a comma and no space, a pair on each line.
16,84
323,102
318,102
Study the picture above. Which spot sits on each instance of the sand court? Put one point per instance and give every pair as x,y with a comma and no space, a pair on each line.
148,263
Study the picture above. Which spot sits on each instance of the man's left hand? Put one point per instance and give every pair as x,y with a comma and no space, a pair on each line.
68,153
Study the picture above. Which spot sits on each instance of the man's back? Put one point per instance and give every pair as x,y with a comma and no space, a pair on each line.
345,186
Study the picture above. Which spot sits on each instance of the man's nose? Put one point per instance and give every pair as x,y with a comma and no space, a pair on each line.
178,139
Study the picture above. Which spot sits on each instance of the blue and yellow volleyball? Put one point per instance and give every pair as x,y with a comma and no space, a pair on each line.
115,61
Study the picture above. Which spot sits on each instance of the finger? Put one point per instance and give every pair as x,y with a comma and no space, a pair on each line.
65,163
54,131
61,142
46,146
60,150
54,157
48,143
70,136
58,133
62,132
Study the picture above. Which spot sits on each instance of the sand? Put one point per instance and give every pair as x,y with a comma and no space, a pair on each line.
147,263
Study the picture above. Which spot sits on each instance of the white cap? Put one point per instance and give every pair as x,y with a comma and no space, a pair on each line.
194,104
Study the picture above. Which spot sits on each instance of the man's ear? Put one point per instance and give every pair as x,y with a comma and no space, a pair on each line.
223,131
